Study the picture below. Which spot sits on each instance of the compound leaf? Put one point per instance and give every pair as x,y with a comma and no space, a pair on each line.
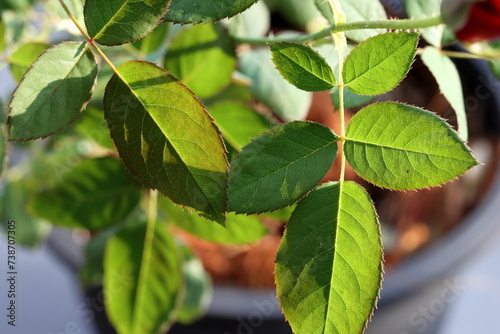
142,279
188,11
448,79
203,58
379,63
96,194
53,92
329,262
302,66
280,166
23,57
166,138
115,22
397,146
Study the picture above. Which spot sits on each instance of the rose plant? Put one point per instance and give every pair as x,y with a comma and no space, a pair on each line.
188,148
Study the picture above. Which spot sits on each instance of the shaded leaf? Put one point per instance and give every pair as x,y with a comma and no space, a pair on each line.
281,166
254,22
96,194
142,279
238,123
325,10
363,10
351,100
397,146
448,79
239,229
93,126
198,288
200,55
21,60
92,271
302,66
378,64
188,11
166,138
420,9
494,65
53,92
153,41
329,263
115,22
286,101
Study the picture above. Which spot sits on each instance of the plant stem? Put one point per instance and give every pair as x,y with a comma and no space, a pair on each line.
68,12
346,26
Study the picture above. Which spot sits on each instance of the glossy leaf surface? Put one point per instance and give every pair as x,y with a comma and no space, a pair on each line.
188,11
166,138
280,166
115,22
203,58
329,263
142,279
53,92
302,66
397,146
95,194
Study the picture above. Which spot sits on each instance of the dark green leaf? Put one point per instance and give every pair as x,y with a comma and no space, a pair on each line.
329,263
21,60
115,22
286,101
166,138
203,58
188,11
397,146
378,64
15,4
238,123
281,166
448,79
198,292
93,126
53,92
96,194
240,229
92,272
142,279
302,66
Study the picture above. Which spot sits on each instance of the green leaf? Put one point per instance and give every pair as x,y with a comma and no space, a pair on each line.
329,263
286,101
53,92
281,166
142,279
21,60
2,35
378,64
198,292
92,271
448,79
325,10
115,22
397,146
93,126
240,229
351,100
302,66
3,149
15,4
494,65
200,55
30,231
188,11
238,123
363,10
420,9
153,41
96,194
166,138
254,22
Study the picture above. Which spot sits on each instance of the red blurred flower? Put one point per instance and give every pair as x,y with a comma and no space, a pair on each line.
483,22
